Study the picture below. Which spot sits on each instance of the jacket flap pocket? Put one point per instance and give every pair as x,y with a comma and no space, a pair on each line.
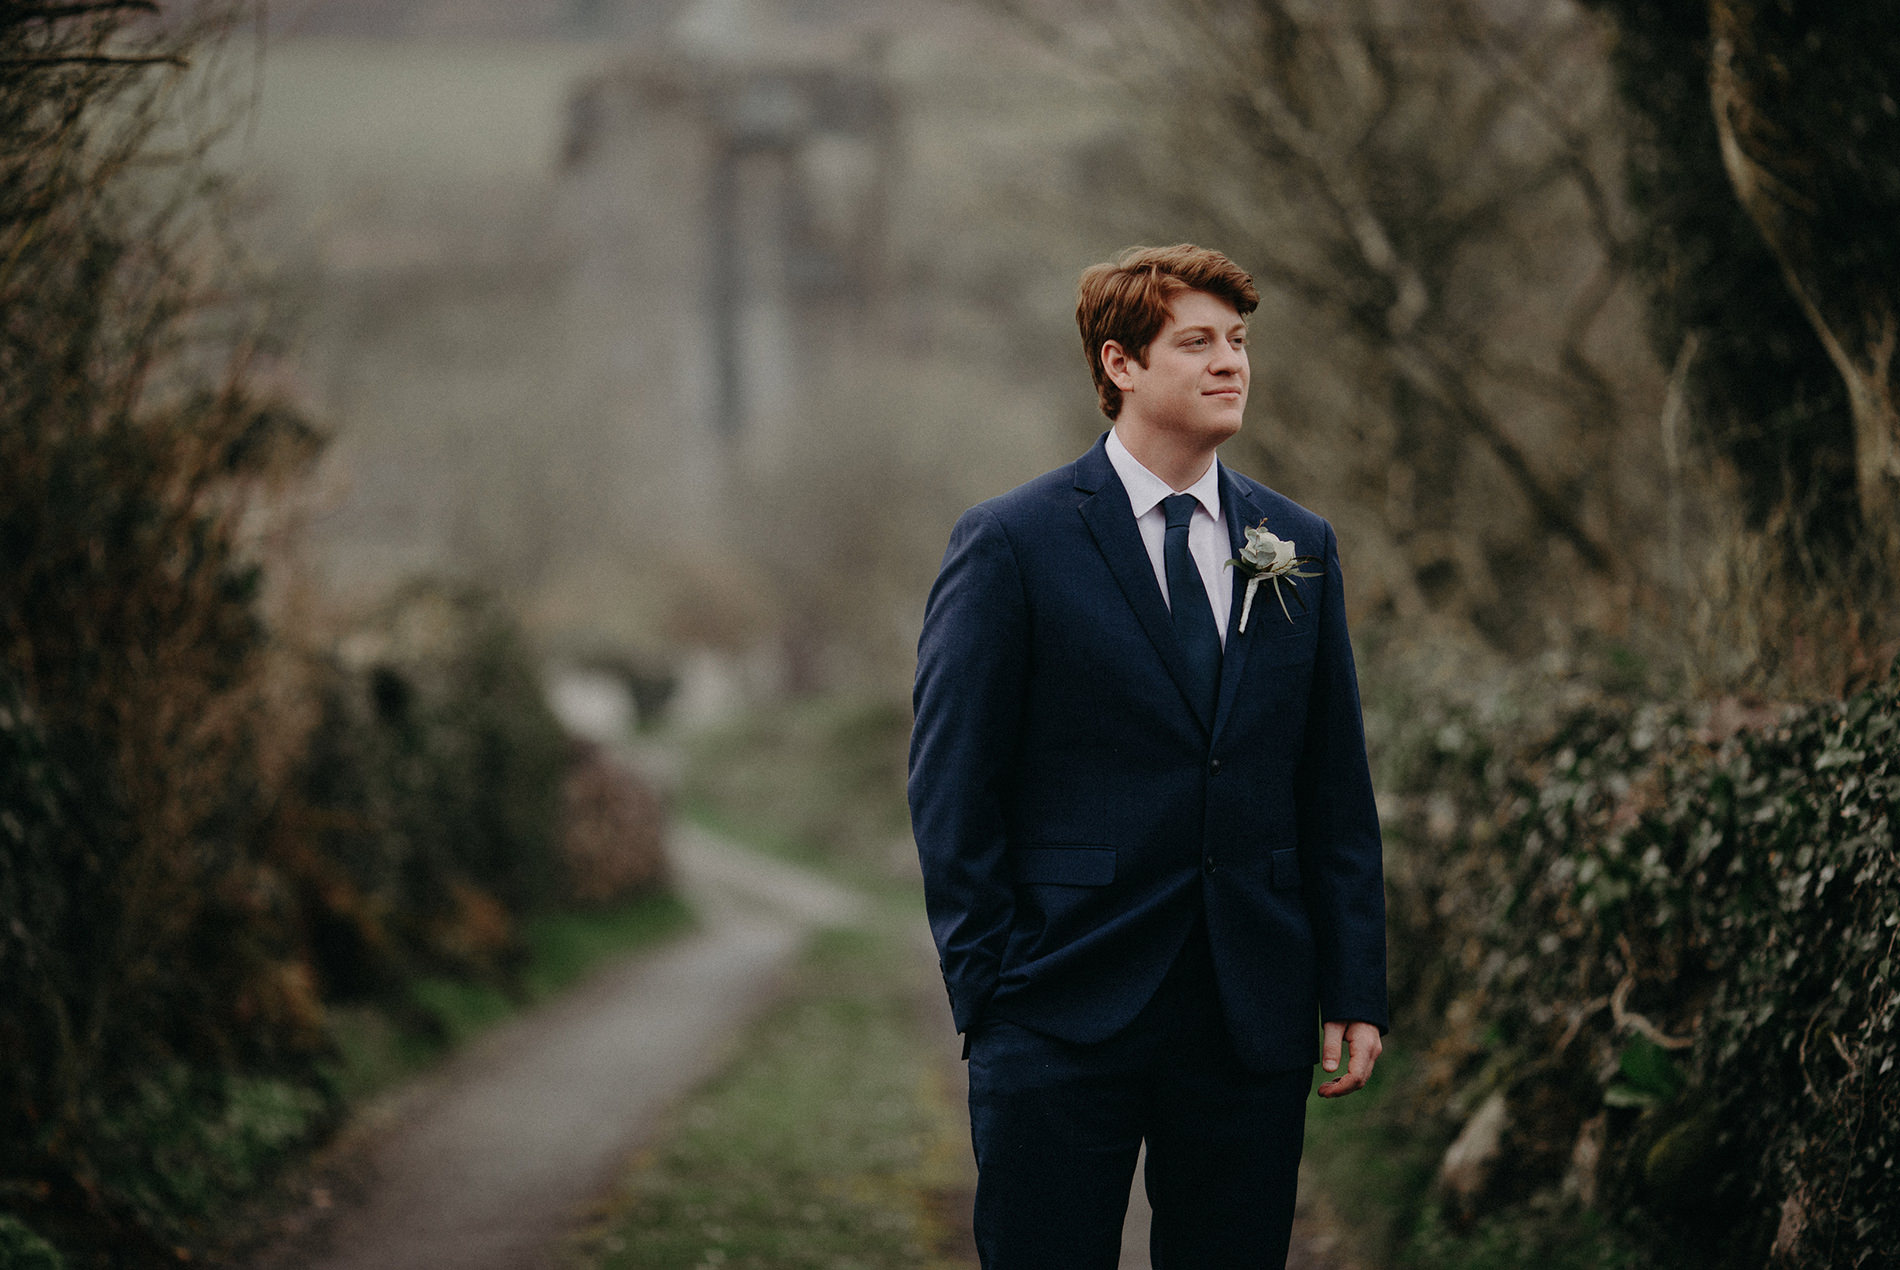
1286,869
1066,866
1285,647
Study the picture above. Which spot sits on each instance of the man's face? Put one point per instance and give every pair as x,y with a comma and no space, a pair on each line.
1195,382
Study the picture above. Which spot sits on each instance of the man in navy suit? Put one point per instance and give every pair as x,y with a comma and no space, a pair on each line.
1150,852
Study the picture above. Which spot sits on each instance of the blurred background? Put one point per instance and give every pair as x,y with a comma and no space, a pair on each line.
687,327
441,436
570,285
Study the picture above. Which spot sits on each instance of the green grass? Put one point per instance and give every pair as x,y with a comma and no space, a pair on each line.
1376,1163
1374,1174
378,1046
563,947
818,781
837,1138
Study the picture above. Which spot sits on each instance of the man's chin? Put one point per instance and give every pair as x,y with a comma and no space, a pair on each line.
1207,430
1225,427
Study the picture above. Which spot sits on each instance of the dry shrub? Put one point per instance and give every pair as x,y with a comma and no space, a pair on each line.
432,787
1775,615
149,972
203,832
611,841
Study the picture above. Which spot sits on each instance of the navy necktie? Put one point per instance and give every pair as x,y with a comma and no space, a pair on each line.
1187,601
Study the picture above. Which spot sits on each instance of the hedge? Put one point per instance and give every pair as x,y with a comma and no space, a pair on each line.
1667,936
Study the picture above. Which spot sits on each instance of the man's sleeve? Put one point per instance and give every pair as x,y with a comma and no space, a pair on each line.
1340,852
972,665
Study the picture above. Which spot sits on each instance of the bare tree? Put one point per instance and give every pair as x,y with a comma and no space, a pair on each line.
1429,193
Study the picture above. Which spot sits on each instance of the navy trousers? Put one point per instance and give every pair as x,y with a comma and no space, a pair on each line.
1057,1128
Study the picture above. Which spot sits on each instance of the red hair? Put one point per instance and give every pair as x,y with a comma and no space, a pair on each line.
1128,300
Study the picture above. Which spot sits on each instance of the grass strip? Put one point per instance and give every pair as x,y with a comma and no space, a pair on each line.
379,1045
818,781
835,1140
1373,1175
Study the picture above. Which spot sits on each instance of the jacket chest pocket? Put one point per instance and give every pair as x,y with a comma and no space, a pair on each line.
1283,647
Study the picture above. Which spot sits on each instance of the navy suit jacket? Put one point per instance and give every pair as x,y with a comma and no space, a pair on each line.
1075,811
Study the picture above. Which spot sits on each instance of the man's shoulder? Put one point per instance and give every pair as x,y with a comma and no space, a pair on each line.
1282,513
1053,491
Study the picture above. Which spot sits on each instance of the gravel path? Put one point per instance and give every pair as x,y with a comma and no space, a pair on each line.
485,1165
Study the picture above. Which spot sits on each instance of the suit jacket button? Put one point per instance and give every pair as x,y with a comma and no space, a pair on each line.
1207,862
1213,766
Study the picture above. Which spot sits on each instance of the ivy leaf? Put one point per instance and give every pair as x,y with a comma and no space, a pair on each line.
1648,1069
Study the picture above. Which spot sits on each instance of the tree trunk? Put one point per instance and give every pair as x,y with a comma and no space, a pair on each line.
1860,333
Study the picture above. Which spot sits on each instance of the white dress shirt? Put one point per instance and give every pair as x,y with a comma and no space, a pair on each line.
1208,545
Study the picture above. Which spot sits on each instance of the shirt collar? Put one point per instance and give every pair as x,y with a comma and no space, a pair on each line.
1146,490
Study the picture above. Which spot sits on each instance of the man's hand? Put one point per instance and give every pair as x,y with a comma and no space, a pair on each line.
1363,1040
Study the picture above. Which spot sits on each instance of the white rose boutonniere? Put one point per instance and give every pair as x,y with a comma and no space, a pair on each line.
1267,557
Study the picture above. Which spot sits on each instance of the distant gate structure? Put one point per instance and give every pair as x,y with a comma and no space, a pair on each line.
748,200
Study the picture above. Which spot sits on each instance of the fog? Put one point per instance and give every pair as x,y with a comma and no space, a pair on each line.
687,327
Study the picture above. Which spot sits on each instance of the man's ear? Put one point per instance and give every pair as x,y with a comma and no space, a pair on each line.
1115,363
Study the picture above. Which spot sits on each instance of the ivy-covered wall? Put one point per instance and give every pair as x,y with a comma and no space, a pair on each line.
1661,945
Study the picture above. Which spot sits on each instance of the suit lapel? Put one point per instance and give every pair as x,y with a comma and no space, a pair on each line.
1106,511
1239,510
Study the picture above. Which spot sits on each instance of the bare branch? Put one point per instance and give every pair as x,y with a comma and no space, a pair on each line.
1445,383
1574,141
60,12
1583,315
1050,34
1628,1019
98,59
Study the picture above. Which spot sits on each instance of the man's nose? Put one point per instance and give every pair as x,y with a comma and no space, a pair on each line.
1230,360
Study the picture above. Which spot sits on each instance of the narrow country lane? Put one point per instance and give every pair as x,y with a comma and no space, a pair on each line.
483,1165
